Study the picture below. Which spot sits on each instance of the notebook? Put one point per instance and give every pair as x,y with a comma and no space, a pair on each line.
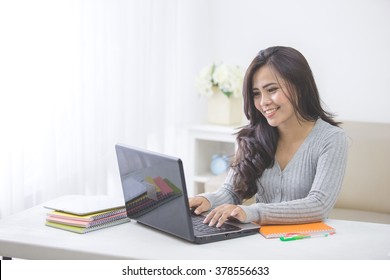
85,205
155,195
98,219
272,231
85,221
78,229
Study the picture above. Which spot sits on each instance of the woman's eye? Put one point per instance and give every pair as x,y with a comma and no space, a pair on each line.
272,90
256,93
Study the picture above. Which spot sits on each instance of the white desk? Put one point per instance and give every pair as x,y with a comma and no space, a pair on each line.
25,236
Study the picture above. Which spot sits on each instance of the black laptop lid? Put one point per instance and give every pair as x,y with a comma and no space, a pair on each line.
154,190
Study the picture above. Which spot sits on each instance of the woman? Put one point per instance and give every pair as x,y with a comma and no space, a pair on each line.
292,154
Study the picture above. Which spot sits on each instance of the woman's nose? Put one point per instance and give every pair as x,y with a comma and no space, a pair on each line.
265,100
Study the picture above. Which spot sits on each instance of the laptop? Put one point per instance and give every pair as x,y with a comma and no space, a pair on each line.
155,195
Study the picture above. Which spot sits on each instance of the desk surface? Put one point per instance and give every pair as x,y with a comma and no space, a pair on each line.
25,236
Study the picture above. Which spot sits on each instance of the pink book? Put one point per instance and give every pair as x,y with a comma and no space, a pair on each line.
79,223
165,189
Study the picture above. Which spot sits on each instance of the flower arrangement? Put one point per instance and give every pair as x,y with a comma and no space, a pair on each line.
223,77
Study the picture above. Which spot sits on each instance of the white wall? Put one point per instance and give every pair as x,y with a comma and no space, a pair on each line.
347,44
51,92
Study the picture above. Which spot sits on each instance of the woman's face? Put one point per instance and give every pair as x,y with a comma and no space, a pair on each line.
269,94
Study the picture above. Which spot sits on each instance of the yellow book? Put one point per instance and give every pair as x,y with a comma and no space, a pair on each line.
81,230
89,217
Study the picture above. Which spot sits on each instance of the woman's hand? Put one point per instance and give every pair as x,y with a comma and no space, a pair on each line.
223,212
200,204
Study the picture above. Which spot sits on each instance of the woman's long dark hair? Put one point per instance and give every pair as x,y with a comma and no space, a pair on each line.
257,141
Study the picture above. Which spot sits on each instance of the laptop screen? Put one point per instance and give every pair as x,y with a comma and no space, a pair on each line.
154,190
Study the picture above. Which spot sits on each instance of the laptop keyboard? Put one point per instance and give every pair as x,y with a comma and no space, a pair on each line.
198,224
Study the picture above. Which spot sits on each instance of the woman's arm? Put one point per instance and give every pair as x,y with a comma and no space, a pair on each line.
224,194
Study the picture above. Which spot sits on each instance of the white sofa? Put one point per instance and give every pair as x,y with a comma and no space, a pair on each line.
365,195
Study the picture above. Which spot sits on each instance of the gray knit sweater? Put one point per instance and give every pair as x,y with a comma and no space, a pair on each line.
305,191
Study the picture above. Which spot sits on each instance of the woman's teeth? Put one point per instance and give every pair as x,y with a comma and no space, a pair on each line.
270,111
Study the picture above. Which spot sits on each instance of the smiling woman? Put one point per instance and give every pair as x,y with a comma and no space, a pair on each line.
292,154
272,98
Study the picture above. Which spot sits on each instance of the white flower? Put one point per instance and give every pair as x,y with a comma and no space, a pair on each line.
224,77
204,83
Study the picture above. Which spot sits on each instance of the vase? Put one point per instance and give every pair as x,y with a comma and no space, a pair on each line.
224,110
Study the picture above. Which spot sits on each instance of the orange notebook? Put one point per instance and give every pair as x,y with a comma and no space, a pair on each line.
272,231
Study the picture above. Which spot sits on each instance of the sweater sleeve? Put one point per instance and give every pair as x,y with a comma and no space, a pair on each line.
224,194
329,174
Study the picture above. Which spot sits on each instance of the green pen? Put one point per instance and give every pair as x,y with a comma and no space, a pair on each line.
298,237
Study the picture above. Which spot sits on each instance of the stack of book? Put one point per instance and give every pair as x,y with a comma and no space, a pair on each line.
86,223
82,214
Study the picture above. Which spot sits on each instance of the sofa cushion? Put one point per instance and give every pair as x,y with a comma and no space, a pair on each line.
366,185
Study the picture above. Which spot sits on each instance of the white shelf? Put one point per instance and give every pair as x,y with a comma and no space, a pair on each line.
205,141
203,178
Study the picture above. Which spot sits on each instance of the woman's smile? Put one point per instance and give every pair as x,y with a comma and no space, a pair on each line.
269,113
